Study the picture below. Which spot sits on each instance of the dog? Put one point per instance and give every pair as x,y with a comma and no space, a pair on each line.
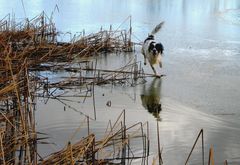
152,50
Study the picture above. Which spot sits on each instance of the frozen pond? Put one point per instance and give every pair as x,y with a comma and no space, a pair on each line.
201,61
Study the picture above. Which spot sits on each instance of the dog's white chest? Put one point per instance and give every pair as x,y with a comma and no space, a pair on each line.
154,59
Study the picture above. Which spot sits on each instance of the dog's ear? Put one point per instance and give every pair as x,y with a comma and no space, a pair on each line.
151,46
159,47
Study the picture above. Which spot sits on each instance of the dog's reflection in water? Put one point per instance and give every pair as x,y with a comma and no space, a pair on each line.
151,97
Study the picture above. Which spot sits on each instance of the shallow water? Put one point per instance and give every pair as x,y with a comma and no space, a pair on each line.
201,61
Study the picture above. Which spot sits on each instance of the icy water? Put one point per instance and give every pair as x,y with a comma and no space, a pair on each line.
201,61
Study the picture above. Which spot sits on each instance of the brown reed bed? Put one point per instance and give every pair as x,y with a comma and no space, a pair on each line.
113,148
36,40
24,47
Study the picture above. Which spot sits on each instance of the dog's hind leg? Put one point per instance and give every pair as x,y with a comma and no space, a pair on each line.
154,70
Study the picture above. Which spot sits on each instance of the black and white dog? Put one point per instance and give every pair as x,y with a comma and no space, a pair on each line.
152,50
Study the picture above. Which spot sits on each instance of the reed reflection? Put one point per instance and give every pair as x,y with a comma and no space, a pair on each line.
151,97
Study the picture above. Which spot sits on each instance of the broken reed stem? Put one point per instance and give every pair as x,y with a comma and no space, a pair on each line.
88,126
124,138
144,145
71,154
211,156
94,105
200,133
148,143
2,149
159,150
8,120
202,148
225,162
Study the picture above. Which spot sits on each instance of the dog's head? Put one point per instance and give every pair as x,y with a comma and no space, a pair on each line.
156,48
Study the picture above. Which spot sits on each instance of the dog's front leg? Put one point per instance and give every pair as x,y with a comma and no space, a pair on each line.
145,61
160,64
154,70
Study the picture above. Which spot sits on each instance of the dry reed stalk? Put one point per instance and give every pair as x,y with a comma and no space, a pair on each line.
6,118
225,162
200,134
159,150
211,156
2,150
78,150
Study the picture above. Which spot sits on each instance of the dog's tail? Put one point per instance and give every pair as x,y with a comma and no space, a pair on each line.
157,28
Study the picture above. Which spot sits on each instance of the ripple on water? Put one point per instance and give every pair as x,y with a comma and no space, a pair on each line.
181,124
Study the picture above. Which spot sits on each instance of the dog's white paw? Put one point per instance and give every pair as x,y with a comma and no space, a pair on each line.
158,76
